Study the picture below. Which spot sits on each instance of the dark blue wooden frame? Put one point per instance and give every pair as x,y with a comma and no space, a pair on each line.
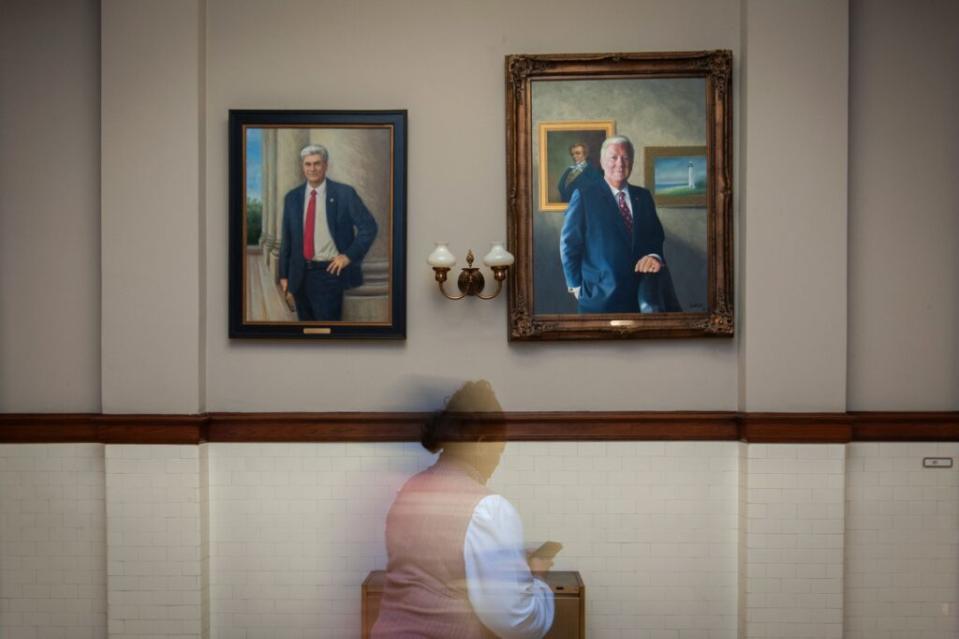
396,329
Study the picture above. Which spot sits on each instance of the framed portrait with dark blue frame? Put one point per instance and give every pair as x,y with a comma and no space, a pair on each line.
318,224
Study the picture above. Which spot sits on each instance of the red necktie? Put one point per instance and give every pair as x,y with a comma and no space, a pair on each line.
310,227
624,212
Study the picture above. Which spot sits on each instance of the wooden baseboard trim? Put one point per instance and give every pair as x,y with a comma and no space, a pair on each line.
795,428
768,428
51,428
315,427
892,426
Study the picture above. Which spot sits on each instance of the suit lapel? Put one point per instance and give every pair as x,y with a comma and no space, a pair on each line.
637,203
331,204
637,210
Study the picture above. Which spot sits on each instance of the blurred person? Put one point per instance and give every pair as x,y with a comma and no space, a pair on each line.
457,568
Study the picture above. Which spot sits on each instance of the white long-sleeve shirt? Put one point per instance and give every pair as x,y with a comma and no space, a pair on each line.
502,590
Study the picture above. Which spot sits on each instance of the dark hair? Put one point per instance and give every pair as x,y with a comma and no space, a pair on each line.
447,427
435,431
471,414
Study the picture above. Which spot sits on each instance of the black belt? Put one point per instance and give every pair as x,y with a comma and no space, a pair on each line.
313,264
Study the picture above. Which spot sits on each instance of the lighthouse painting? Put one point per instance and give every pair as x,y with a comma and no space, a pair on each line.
676,175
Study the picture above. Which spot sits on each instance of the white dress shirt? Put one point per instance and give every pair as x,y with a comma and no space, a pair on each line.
324,249
502,590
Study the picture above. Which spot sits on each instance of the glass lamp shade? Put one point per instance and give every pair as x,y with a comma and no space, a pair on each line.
441,256
498,256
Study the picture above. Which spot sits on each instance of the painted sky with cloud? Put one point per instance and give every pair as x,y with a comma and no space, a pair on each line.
254,163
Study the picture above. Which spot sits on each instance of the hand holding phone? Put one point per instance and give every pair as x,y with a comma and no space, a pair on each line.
541,559
548,550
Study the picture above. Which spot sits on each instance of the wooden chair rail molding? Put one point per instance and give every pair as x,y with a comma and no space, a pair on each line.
771,428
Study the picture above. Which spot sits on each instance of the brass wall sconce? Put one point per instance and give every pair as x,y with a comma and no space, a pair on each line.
471,280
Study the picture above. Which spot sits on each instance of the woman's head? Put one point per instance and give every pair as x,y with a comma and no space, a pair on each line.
469,428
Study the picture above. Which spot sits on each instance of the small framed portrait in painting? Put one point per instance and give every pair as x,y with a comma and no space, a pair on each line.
568,159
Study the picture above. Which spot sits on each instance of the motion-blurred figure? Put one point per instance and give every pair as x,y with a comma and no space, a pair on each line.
457,568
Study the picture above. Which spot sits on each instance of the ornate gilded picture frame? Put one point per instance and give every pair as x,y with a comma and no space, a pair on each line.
613,238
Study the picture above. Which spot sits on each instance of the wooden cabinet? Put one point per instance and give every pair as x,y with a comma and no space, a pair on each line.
567,587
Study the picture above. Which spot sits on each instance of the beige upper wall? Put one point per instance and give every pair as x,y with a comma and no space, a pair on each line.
443,61
904,206
151,183
444,64
793,206
49,206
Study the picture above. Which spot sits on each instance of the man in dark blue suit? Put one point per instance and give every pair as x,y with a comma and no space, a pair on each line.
611,244
326,232
579,173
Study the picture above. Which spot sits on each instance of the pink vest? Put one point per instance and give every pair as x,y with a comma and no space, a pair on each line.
425,593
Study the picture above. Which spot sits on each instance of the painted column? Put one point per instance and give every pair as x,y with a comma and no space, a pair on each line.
287,174
271,222
267,212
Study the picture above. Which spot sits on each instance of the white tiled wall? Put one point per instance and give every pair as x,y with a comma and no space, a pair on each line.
902,564
794,541
52,541
651,526
673,539
295,528
153,542
205,540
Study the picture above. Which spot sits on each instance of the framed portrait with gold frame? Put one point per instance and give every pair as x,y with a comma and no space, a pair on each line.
625,252
317,224
568,156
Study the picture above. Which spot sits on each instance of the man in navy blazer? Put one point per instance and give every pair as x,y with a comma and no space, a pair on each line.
612,240
326,232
